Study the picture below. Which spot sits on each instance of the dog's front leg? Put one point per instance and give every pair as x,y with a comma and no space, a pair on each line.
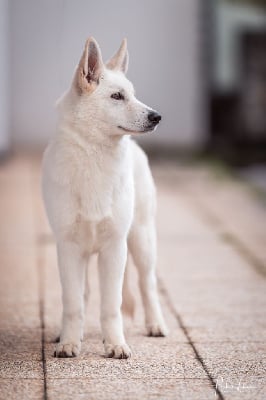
112,260
72,264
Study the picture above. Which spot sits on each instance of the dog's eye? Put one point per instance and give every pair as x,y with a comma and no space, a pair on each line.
117,96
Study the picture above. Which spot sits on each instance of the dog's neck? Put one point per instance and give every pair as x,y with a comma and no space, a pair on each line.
92,141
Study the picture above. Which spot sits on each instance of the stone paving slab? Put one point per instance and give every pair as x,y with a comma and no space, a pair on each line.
247,389
225,329
173,364
20,345
17,389
217,292
16,202
204,259
21,364
227,204
211,319
19,282
131,389
237,351
21,369
185,226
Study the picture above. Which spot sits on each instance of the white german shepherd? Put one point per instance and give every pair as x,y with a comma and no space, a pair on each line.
100,198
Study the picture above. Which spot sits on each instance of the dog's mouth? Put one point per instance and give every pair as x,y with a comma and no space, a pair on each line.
148,129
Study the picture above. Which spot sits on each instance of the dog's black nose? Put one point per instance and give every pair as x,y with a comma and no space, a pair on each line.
154,117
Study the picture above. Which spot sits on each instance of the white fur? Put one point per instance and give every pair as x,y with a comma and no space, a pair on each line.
100,198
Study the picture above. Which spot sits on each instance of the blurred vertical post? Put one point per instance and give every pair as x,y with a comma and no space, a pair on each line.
4,79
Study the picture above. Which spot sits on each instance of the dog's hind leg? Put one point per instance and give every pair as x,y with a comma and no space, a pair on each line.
142,245
128,303
86,292
86,288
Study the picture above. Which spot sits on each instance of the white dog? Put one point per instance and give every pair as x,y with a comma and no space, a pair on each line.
100,198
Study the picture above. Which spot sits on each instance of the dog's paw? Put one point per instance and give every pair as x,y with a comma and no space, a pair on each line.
157,330
117,351
66,350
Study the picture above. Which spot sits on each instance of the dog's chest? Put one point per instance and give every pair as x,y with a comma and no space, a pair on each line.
95,192
102,211
102,188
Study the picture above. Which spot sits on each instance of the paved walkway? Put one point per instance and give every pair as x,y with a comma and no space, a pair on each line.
212,268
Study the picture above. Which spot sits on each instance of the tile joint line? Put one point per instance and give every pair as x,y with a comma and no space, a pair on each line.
228,236
179,320
40,269
41,313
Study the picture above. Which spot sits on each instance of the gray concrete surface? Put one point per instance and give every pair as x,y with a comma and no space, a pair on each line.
211,269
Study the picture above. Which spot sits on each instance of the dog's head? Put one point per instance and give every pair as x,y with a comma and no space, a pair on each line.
103,96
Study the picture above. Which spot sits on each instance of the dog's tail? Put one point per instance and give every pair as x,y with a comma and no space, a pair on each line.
128,303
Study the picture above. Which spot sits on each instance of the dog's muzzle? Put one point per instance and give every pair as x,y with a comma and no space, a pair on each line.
153,120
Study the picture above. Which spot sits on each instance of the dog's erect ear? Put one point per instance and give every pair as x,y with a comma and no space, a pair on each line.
90,66
120,60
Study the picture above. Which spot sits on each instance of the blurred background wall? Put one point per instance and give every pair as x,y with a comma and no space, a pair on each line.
4,79
45,42
202,64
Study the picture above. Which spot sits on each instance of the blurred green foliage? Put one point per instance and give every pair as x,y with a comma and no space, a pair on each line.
255,3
